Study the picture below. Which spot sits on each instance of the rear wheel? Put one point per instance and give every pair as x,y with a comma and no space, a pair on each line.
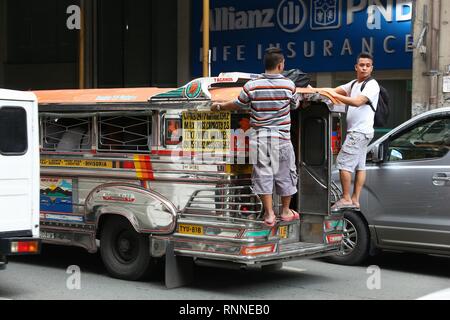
356,242
124,252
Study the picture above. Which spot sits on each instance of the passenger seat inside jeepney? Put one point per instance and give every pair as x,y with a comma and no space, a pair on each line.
74,139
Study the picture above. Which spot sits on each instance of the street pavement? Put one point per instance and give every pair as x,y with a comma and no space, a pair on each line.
389,276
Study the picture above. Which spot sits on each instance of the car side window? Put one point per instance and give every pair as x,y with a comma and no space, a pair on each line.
426,140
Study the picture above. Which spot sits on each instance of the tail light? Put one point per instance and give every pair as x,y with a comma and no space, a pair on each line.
334,238
24,247
257,250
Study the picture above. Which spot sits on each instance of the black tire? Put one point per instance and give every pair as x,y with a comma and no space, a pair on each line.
125,253
356,243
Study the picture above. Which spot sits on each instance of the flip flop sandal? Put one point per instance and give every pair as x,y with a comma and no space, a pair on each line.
295,216
270,224
339,205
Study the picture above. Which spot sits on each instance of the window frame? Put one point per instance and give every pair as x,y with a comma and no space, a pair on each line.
150,142
91,124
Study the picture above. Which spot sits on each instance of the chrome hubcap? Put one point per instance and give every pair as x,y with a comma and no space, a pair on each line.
350,239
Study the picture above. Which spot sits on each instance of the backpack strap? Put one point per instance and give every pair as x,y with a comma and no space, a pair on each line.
362,88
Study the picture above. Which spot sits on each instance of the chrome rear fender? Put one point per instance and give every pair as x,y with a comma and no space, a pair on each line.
147,210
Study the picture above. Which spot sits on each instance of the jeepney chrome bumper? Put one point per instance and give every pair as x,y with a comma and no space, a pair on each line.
287,252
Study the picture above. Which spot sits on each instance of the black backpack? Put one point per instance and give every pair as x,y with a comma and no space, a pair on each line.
382,111
300,78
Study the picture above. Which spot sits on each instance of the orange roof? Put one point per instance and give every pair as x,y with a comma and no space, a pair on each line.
90,96
137,95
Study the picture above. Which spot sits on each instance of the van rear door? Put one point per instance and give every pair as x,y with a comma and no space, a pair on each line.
19,165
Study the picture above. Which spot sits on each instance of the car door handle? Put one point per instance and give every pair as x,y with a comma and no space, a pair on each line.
441,178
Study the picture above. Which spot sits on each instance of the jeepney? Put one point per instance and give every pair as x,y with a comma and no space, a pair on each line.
154,175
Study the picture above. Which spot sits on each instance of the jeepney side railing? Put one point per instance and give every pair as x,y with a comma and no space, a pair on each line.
225,202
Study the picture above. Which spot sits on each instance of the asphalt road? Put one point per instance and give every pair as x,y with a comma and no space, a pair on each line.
400,276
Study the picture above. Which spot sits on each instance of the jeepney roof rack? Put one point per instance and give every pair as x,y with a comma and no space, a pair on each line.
200,92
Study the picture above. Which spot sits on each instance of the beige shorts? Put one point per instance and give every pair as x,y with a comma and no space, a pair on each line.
275,165
354,152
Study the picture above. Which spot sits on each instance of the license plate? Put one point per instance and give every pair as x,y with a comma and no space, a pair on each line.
283,232
190,229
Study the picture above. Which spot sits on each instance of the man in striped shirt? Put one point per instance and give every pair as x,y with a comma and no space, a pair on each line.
270,99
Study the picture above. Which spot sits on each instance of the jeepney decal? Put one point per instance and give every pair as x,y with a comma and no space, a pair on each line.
90,164
206,131
62,217
143,166
193,90
56,195
120,197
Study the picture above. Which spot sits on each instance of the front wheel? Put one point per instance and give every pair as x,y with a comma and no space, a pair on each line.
124,252
356,242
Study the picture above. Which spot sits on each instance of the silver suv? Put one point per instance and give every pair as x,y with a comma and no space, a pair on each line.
405,205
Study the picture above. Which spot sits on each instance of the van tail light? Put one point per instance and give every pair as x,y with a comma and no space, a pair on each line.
24,247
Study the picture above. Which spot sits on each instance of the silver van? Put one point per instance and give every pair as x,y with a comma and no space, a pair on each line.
405,204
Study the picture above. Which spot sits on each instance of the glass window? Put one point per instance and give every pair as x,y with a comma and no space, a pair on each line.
13,130
67,134
173,134
240,132
124,132
426,140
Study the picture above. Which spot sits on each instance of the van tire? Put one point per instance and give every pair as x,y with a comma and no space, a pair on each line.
125,252
360,252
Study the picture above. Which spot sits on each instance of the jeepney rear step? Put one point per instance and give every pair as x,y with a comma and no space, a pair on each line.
285,252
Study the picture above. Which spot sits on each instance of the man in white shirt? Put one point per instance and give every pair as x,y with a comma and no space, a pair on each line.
360,121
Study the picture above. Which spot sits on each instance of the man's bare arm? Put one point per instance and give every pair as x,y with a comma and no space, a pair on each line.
355,102
351,101
230,105
340,91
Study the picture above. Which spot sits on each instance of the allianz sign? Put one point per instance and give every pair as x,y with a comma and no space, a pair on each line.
292,15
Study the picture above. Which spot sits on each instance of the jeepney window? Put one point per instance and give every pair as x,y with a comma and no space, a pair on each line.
66,134
240,132
124,132
13,131
173,134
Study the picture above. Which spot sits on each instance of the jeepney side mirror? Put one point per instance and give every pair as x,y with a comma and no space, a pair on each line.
376,154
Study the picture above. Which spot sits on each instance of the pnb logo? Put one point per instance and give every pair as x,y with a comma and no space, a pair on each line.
325,14
292,15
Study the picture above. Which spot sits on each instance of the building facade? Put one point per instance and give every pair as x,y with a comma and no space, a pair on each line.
431,56
51,44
